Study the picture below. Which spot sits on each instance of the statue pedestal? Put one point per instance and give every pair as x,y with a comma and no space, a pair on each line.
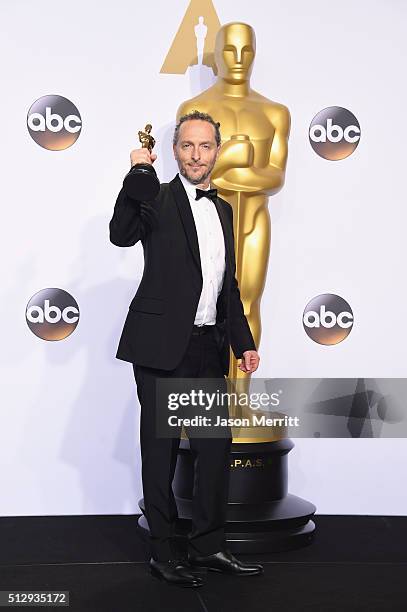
262,516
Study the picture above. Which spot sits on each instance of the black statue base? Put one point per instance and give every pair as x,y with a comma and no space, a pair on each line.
262,516
141,183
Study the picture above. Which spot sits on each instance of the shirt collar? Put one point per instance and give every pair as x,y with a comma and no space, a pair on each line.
189,187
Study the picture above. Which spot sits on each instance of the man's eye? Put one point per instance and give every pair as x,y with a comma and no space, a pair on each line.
205,146
185,146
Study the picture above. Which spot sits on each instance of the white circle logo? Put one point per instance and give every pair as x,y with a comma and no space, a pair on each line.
52,314
328,319
54,122
334,133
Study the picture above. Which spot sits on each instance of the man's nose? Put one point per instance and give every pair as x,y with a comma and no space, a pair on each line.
195,154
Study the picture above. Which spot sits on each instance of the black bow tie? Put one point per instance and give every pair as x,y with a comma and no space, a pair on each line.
210,193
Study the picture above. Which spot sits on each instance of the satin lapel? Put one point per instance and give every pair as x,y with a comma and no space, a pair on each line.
187,218
227,232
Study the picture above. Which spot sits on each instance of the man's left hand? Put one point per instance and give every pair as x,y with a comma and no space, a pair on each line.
250,362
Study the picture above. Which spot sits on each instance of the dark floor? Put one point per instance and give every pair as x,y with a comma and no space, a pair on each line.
355,563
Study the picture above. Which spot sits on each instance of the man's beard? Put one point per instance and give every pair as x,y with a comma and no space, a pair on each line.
194,180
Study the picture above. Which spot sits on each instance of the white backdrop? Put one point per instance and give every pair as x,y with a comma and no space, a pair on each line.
69,411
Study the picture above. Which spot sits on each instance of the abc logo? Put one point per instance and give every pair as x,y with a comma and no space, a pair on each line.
334,133
52,314
328,319
54,122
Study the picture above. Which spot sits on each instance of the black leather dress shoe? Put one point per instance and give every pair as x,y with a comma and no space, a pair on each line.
225,562
174,572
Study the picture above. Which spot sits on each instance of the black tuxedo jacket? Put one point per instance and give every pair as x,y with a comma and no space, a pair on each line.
161,315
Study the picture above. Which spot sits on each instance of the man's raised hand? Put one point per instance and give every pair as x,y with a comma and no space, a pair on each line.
142,156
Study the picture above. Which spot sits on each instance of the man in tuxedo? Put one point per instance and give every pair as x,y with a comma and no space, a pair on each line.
186,314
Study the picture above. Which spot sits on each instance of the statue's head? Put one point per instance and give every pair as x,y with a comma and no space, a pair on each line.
235,48
148,128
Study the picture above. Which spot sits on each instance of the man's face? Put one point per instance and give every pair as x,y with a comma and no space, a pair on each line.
196,150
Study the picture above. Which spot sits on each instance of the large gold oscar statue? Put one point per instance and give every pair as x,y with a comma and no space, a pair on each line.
250,167
262,516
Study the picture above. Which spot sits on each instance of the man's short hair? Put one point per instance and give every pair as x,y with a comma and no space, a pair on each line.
196,114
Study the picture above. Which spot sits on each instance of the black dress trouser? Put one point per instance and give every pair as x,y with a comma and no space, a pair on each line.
159,457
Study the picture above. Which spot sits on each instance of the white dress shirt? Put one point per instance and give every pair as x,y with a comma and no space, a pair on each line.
212,252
